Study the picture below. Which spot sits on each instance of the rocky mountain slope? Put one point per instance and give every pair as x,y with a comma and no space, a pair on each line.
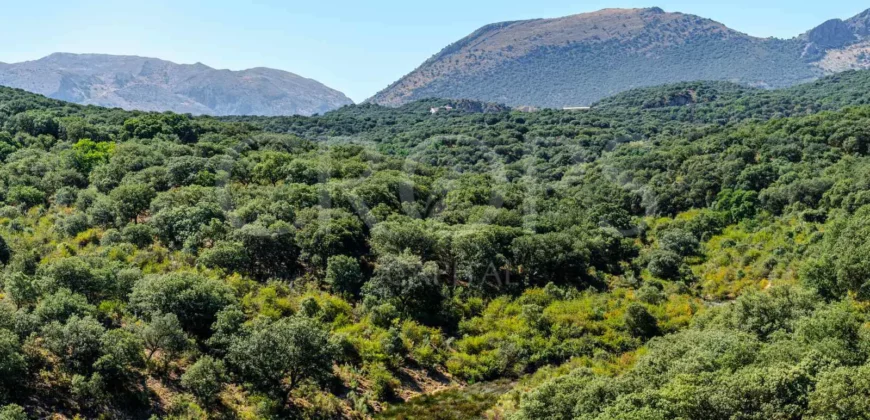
577,60
150,84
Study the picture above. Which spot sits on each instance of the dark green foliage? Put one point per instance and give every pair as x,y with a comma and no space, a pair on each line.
77,275
271,251
387,244
559,257
840,268
226,328
194,299
230,256
640,323
5,252
61,305
344,275
123,354
719,371
327,232
132,199
409,284
164,333
276,357
666,265
205,378
25,196
78,342
139,235
12,362
679,242
12,412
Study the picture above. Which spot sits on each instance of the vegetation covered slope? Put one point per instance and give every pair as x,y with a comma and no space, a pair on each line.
642,260
580,59
150,84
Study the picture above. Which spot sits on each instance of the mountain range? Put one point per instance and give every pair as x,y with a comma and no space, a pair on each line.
151,84
571,61
580,59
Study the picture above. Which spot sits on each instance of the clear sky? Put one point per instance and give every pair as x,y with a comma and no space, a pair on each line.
355,46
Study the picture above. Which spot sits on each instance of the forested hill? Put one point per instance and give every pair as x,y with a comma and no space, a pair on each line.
688,251
720,101
633,112
580,59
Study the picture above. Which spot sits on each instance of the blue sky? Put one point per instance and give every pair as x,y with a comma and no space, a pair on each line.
358,47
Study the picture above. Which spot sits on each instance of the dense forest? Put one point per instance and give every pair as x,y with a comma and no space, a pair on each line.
687,251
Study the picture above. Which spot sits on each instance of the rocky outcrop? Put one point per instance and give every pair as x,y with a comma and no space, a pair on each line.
860,24
834,33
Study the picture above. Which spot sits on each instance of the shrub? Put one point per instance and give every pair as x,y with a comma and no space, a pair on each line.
205,378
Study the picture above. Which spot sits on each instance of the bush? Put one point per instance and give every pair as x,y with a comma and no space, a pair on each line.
66,196
12,362
276,358
665,265
344,275
205,378
141,235
383,384
25,196
195,299
679,242
640,323
12,412
111,237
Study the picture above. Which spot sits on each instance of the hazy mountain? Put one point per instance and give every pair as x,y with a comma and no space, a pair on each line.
151,84
577,60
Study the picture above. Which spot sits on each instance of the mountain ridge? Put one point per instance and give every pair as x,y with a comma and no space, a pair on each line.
153,84
582,58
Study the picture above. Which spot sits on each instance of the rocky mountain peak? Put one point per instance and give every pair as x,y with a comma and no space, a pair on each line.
834,33
860,24
151,84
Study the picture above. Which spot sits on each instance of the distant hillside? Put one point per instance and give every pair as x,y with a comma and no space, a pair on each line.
150,84
580,59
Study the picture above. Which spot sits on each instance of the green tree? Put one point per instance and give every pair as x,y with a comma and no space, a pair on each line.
139,235
558,257
842,393
78,342
680,242
228,255
271,251
123,355
205,378
226,329
131,200
405,281
164,333
344,275
276,358
640,323
87,154
665,265
193,298
327,232
12,362
12,412
25,196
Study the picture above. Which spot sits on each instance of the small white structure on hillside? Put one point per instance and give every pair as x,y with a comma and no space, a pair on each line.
440,108
577,108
